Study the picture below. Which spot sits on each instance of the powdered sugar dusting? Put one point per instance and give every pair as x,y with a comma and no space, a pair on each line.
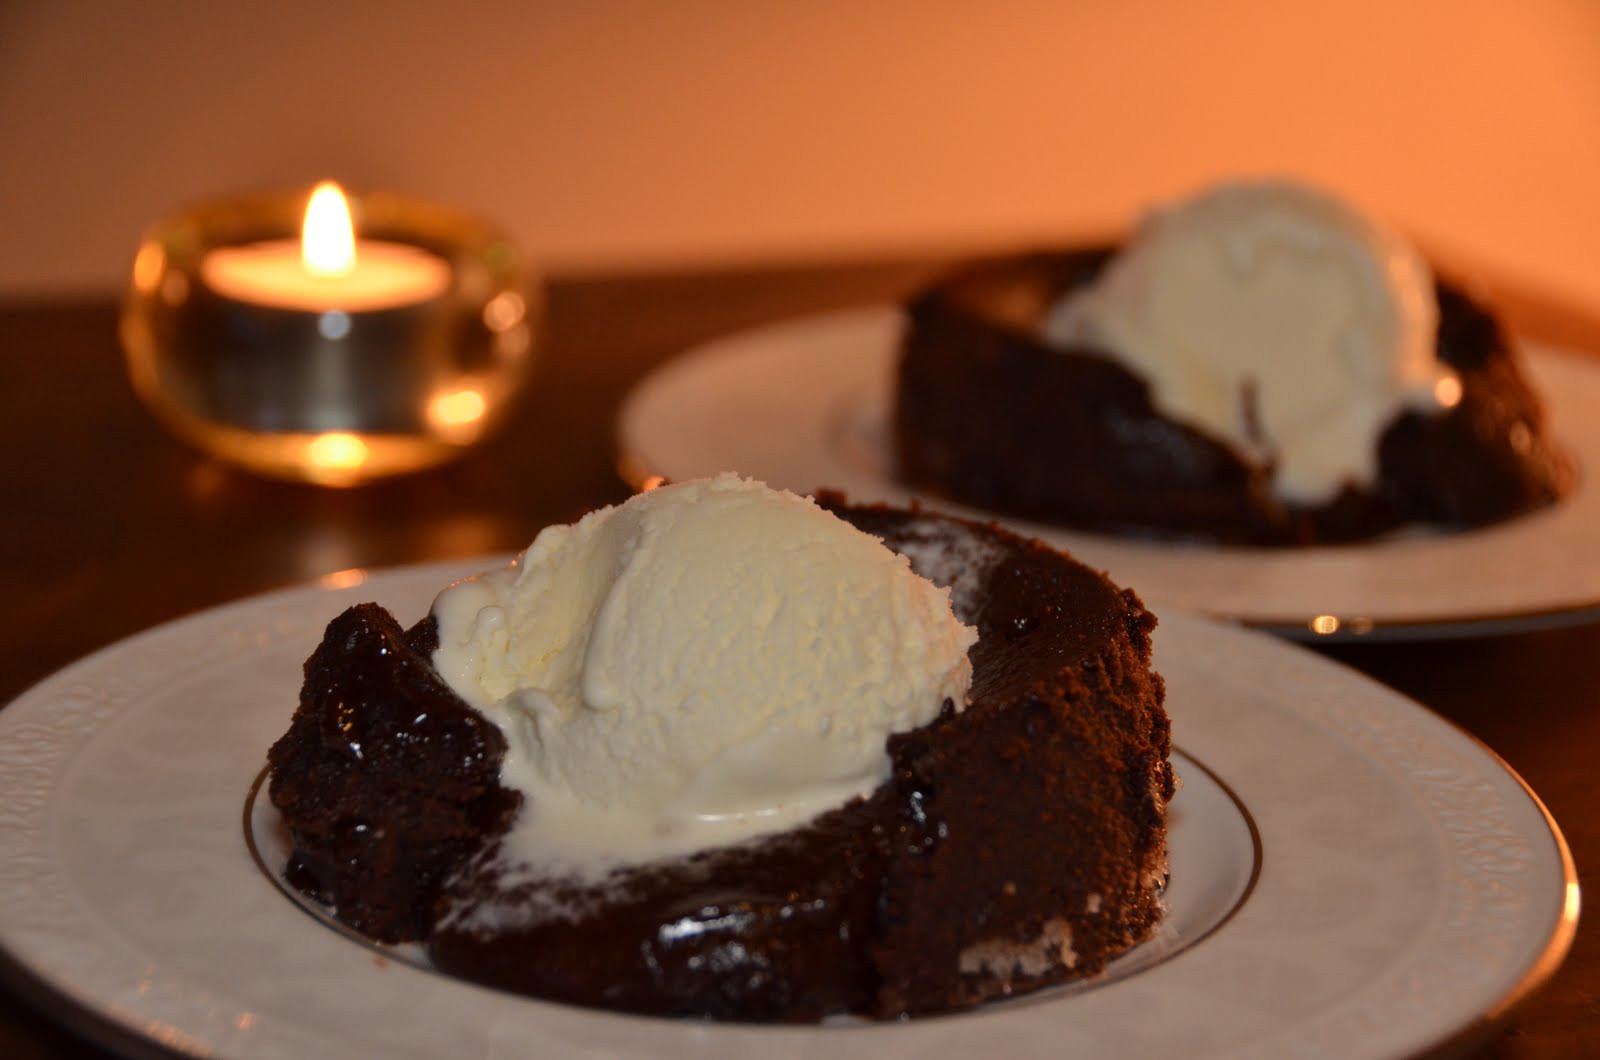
507,892
955,557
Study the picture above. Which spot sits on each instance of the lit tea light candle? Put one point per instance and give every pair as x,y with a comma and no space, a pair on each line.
391,336
327,268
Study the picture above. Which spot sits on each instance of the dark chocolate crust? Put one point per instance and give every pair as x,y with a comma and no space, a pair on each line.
1039,812
386,779
989,414
1018,842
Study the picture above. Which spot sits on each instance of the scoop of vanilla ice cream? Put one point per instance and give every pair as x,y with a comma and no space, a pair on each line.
710,660
1276,319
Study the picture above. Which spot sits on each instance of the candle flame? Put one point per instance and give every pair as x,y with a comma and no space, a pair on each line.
328,238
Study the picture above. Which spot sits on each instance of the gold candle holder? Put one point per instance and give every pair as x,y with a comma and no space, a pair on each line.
398,356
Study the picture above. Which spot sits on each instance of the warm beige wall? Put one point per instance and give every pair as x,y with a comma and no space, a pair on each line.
607,132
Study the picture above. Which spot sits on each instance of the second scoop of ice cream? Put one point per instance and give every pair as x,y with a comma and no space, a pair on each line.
1274,318
711,660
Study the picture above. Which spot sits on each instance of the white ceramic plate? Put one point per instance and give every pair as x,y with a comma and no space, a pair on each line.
804,405
1353,877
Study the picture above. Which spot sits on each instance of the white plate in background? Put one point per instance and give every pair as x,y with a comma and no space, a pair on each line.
804,404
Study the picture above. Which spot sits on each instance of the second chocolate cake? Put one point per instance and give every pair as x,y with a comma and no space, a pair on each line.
999,406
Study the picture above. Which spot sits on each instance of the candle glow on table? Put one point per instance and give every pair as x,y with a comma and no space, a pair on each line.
327,268
336,358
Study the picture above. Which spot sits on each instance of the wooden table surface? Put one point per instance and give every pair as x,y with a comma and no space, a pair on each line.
111,526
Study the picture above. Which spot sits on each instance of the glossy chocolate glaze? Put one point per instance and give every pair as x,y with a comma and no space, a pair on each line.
769,930
386,779
989,414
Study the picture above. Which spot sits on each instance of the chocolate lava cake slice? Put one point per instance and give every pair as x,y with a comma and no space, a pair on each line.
1019,842
987,412
385,778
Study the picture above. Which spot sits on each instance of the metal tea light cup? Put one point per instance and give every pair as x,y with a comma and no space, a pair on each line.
318,392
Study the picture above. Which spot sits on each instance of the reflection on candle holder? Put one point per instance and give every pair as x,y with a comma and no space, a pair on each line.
397,360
